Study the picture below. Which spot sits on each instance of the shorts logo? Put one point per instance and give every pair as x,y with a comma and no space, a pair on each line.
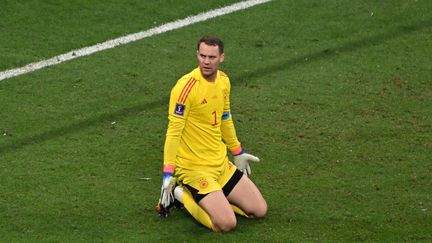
230,165
203,183
179,109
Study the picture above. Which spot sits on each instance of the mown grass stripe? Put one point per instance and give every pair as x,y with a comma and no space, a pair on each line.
129,38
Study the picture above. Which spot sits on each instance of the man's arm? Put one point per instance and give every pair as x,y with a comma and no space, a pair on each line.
172,140
178,110
229,136
228,131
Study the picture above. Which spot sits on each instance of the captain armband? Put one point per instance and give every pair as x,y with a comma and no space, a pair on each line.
226,115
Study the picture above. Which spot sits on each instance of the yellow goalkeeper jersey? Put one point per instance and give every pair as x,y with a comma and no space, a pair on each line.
200,127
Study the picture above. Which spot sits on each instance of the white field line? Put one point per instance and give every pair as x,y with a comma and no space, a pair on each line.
129,38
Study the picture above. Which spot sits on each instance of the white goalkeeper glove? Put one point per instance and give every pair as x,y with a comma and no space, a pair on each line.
168,184
242,160
167,196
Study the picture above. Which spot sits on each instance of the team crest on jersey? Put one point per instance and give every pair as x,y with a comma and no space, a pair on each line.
203,183
179,109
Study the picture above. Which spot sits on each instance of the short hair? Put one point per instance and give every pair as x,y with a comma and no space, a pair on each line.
212,41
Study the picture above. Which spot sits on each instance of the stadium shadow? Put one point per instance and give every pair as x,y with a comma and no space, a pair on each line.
237,80
19,143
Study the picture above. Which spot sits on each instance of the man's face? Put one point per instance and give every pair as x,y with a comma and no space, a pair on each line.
208,60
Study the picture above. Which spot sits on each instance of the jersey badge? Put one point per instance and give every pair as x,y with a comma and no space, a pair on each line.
179,109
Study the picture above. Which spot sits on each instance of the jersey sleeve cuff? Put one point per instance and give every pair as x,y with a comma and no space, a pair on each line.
237,150
167,168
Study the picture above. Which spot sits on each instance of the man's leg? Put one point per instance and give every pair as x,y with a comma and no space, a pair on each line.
246,196
185,197
220,211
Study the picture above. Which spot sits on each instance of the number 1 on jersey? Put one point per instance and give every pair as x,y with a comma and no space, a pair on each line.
215,118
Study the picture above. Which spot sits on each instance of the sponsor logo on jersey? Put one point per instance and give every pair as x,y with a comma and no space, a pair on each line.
204,101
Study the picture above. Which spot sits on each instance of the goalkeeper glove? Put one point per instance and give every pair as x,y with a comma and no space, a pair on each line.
168,184
242,160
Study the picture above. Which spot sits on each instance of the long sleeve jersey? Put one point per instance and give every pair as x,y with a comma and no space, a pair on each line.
200,127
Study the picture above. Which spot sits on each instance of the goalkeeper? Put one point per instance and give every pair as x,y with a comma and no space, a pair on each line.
200,131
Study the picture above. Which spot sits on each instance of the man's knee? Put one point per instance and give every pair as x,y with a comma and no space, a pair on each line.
218,208
260,211
226,225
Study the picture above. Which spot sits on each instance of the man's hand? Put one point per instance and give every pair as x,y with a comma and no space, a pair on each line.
242,160
166,196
